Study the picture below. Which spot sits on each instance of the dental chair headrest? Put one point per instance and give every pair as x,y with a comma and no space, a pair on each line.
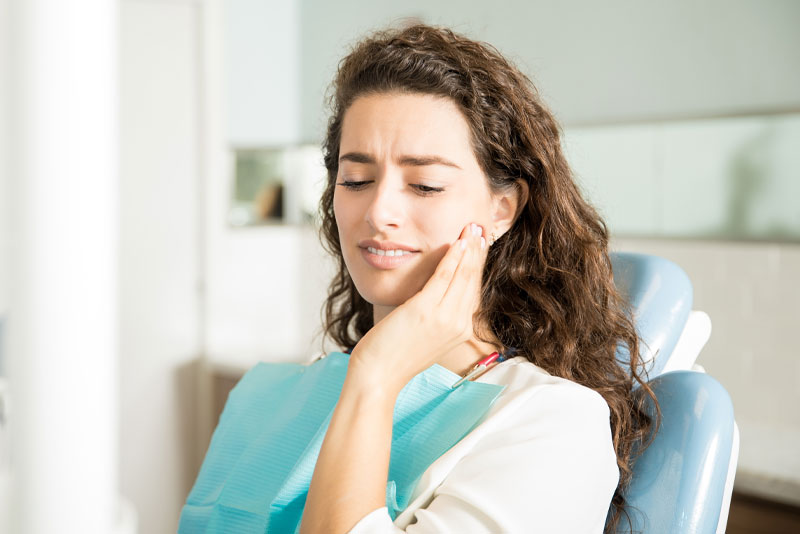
660,296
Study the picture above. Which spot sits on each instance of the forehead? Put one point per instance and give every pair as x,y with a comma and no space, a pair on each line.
412,123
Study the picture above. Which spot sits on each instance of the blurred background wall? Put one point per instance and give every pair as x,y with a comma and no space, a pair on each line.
160,288
4,178
201,80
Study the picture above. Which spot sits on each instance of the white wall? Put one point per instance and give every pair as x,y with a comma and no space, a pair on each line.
721,178
262,90
4,170
595,62
5,482
62,199
160,254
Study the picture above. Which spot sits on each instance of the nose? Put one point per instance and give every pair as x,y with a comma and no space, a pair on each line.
385,209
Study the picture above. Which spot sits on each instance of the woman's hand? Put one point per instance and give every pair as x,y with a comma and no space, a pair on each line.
435,320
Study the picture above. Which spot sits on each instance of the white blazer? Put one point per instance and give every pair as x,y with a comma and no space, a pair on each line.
541,460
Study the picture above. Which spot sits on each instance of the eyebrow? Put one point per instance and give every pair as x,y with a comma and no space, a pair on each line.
414,161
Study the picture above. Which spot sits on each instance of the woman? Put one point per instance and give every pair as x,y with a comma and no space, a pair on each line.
459,231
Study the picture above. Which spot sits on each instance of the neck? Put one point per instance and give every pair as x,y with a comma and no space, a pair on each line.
461,358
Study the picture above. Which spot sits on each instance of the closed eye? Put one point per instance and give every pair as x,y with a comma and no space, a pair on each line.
427,190
353,184
424,190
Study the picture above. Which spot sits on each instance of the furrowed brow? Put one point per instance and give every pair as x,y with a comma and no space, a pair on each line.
357,157
414,161
421,161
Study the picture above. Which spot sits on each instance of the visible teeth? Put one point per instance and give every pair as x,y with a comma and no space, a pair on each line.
380,252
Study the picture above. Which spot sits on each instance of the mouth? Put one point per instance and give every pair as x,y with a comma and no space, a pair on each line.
387,259
389,252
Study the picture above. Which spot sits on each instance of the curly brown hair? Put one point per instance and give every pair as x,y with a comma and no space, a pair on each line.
547,287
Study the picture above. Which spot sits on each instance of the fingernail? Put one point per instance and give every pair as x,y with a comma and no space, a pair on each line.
476,230
483,242
463,243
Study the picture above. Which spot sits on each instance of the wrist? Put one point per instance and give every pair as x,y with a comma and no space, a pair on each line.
369,381
360,392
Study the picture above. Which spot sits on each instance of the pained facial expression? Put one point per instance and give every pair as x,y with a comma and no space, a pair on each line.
414,181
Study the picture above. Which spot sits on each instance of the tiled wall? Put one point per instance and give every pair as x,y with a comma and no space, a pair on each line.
751,291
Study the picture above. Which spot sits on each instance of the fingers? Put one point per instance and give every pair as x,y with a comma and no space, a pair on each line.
456,283
463,292
440,280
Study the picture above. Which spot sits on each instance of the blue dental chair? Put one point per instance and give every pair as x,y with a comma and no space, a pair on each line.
682,483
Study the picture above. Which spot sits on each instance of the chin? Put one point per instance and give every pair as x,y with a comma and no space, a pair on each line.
390,299
384,294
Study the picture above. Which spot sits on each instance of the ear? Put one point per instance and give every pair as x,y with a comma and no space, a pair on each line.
507,206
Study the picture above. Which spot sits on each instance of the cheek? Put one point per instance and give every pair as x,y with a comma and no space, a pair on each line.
340,213
442,224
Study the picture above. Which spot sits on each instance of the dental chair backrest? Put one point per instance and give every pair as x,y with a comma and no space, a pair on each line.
682,482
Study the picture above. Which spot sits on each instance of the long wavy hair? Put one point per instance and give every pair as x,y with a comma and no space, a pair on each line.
547,287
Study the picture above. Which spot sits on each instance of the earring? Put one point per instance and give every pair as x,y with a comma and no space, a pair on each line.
492,239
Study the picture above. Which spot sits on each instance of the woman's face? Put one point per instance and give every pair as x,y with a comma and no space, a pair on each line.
414,183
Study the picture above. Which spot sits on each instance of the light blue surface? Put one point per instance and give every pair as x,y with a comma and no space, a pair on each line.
678,483
660,295
258,468
679,480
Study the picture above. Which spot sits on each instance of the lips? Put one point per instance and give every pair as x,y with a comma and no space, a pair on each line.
385,245
381,260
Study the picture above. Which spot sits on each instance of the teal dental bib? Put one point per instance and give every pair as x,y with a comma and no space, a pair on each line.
258,468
